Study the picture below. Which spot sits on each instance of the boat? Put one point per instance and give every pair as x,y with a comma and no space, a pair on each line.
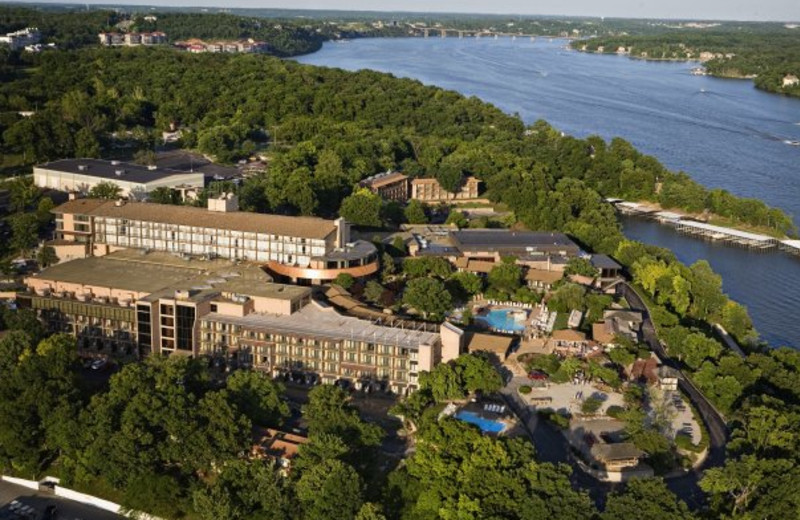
791,142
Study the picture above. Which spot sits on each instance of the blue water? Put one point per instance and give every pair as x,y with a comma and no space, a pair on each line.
501,319
486,425
724,133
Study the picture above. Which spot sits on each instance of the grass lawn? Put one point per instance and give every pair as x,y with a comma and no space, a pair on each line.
561,321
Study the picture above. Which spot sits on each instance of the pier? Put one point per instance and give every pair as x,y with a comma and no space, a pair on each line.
726,235
689,226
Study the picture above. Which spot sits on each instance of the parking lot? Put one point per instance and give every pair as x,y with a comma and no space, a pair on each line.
20,503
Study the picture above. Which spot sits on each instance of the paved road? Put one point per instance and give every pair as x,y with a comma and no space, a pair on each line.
685,487
67,509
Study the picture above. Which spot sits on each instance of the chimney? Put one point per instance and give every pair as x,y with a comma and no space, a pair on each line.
225,203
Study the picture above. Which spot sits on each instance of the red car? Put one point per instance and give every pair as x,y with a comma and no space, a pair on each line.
537,376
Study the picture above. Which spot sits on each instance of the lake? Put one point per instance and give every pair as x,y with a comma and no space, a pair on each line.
724,133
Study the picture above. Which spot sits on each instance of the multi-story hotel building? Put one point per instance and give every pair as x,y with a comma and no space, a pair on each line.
130,304
301,249
389,186
429,190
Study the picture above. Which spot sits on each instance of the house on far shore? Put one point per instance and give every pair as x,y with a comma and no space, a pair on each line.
790,80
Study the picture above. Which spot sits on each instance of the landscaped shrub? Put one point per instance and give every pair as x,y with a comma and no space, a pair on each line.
591,405
550,415
615,411
525,389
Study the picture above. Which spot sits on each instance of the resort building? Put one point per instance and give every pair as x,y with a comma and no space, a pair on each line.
131,39
389,186
128,304
617,456
429,190
20,39
541,280
134,180
494,244
195,45
618,323
303,250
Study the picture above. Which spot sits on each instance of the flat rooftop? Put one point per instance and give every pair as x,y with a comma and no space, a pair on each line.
117,274
324,322
108,170
510,239
161,274
303,227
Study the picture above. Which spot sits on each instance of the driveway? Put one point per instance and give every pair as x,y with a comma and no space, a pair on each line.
38,501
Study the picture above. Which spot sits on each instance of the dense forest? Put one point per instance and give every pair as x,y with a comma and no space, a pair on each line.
764,52
323,130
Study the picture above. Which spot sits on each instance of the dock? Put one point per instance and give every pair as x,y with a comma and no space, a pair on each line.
689,226
726,235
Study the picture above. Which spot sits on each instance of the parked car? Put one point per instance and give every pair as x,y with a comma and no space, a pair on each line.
535,375
99,364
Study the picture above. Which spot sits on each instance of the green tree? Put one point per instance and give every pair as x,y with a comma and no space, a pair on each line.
428,296
458,219
415,212
506,277
374,291
164,195
468,283
362,208
24,232
105,190
44,211
645,498
580,266
330,491
46,256
345,280
258,397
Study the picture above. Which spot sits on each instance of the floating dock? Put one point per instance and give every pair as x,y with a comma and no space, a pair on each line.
726,235
688,226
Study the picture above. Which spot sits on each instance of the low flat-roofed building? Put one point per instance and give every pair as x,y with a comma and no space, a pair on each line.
616,456
497,345
492,244
429,190
135,181
299,249
389,186
542,280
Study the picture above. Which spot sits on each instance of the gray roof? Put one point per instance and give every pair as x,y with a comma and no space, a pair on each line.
500,239
108,170
604,262
323,322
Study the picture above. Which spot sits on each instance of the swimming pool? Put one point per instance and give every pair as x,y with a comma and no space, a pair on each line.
486,425
505,319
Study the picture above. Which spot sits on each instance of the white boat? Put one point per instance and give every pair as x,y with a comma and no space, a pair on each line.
792,143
